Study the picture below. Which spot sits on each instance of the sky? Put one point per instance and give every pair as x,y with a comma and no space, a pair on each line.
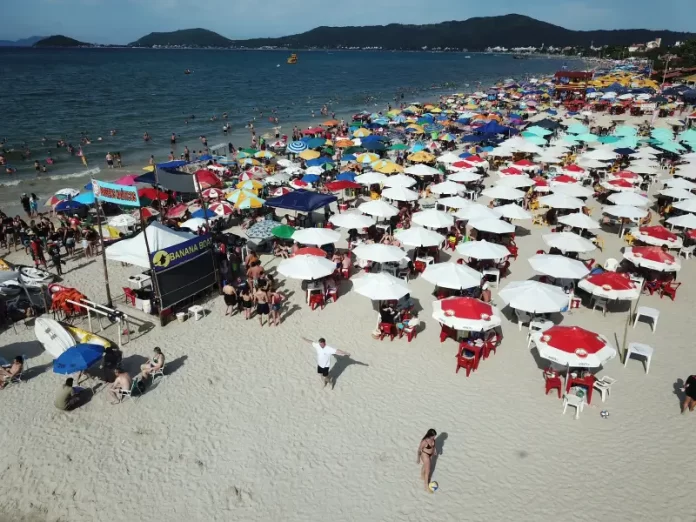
124,21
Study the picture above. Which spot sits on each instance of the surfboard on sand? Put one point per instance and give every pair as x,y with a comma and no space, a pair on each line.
54,338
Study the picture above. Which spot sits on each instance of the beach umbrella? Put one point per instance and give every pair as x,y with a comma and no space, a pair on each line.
421,170
244,199
400,194
513,211
510,171
592,164
306,267
193,223
78,358
127,180
310,251
380,287
122,221
419,237
476,211
628,198
571,190
386,167
361,133
652,257
68,205
399,180
296,147
251,185
447,188
578,128
204,213
283,231
371,178
568,242
379,253
561,201
574,347
677,193
515,182
494,226
277,179
153,194
687,205
367,158
316,236
534,297
625,211
684,221
619,185
264,154
454,202
54,200
466,314
558,266
579,220
483,250
421,157
378,208
599,154
351,220
464,177
261,230
67,193
502,192
176,211
452,275
680,183
611,285
308,155
86,198
657,236
222,208
538,131
433,219
212,193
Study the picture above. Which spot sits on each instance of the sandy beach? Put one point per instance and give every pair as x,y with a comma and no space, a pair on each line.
242,429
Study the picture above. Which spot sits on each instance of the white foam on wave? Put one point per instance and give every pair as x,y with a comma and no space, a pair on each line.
10,183
84,173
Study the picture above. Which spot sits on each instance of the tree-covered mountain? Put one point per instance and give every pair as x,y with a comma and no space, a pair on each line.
184,38
22,42
59,41
475,33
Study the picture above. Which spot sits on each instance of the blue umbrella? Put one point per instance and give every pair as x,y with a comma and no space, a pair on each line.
348,157
201,213
319,162
310,178
86,198
374,146
346,176
625,151
205,157
78,358
88,186
297,147
68,205
315,143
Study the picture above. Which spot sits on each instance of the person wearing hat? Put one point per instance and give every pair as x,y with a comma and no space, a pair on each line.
486,293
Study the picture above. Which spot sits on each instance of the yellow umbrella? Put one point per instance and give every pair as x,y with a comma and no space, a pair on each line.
386,167
149,168
421,157
251,184
309,154
367,157
362,132
264,154
436,110
245,199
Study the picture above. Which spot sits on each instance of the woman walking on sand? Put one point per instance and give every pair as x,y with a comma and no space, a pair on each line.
426,452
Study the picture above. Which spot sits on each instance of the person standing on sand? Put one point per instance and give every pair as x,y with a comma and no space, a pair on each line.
690,390
324,354
262,307
426,452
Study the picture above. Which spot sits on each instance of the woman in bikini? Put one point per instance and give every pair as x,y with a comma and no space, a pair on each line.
426,452
247,302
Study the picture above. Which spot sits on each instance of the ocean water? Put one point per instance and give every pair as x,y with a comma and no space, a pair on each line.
69,93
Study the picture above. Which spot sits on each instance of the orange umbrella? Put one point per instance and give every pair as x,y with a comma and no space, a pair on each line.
343,144
331,123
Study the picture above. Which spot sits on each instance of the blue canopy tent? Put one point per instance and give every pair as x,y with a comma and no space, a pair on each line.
148,177
301,200
175,164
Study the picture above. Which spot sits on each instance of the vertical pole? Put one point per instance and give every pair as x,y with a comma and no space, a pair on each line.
155,288
109,302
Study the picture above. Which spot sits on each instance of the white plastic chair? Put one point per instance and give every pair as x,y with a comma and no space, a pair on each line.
124,394
650,313
157,373
611,264
687,252
642,350
601,303
603,385
537,326
574,401
522,317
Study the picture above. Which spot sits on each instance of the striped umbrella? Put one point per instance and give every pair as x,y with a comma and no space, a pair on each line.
267,154
222,208
296,147
244,199
212,193
251,184
249,162
367,158
147,212
362,132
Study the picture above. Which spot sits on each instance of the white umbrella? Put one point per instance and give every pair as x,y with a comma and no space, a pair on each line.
513,211
370,178
316,236
549,157
644,169
193,223
501,152
592,164
688,172
561,201
421,170
599,154
466,314
502,192
680,183
447,188
124,220
579,220
287,163
277,179
625,211
464,177
380,287
534,297
677,193
449,158
351,220
420,237
483,250
306,267
316,170
400,194
453,202
379,253
68,192
515,182
685,221
378,208
399,180
687,205
568,242
611,285
494,226
574,347
632,199
572,190
452,275
476,211
432,218
558,266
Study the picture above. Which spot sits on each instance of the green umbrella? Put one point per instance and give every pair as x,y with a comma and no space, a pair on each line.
625,130
398,146
283,231
250,151
536,140
578,128
329,150
688,135
587,137
609,139
353,150
537,131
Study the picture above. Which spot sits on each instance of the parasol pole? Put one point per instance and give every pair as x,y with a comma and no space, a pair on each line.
155,286
97,201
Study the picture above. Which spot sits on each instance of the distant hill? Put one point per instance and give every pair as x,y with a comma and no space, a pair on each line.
475,33
59,41
184,38
23,42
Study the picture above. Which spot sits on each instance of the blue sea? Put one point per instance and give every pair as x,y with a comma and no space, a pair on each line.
71,93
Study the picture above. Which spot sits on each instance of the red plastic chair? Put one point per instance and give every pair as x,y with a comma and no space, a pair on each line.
130,295
345,273
419,266
331,293
316,300
387,329
554,383
513,251
468,363
652,286
446,332
460,261
541,251
409,331
670,289
477,349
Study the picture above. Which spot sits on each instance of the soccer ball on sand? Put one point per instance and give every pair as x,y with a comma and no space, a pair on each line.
433,486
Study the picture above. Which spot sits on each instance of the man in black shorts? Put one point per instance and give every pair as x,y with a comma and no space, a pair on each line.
324,354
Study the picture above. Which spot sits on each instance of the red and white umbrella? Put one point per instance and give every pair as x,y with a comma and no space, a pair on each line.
541,184
618,185
310,251
653,258
563,179
510,171
657,236
574,347
280,191
466,313
212,193
299,184
475,159
222,208
627,175
147,213
524,165
574,170
611,285
177,211
254,173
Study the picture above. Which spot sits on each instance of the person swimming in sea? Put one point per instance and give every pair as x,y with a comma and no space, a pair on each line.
146,137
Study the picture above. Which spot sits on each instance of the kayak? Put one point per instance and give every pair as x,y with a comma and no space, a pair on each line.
83,336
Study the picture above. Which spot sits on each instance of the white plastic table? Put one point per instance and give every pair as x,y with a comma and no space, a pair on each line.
651,313
642,350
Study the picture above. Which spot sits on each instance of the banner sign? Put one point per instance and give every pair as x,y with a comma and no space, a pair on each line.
175,255
113,193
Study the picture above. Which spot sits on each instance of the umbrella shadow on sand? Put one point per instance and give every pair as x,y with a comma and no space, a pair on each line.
340,366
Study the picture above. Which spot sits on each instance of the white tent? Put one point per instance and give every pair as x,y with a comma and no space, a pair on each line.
134,252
